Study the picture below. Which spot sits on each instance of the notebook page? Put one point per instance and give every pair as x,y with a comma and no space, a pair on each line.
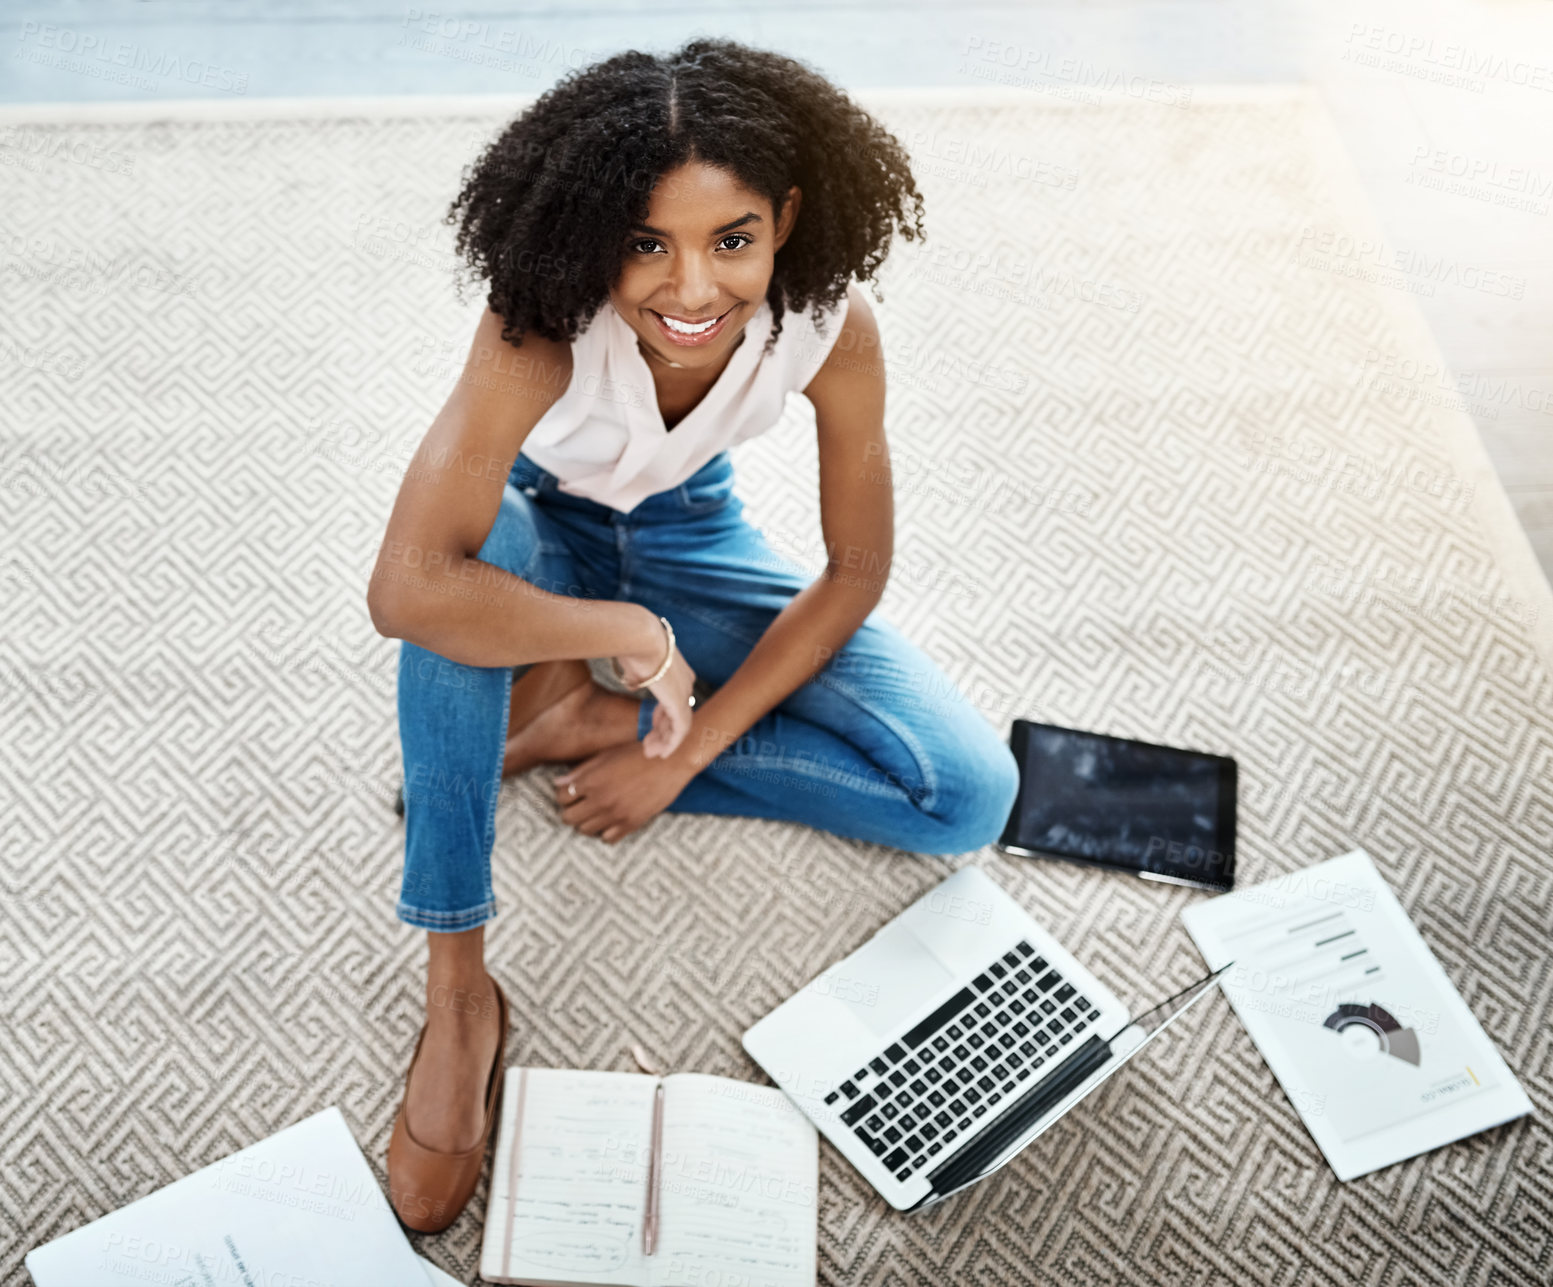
576,1210
740,1169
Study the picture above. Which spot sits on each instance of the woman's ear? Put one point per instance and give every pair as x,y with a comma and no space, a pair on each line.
789,215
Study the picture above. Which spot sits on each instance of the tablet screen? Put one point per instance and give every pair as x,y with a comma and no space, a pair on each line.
1155,810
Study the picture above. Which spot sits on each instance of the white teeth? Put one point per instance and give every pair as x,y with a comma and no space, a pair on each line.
685,328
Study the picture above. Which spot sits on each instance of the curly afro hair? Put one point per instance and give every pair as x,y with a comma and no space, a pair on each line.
546,210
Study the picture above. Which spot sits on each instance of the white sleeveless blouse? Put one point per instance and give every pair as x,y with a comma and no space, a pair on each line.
605,439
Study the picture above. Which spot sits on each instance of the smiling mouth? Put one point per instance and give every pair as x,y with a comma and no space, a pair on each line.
680,331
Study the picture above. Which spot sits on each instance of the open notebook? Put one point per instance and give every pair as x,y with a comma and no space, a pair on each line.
736,1178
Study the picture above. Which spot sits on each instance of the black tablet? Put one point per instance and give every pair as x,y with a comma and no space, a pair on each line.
1159,812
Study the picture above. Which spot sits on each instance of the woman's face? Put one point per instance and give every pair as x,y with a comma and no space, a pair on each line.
705,252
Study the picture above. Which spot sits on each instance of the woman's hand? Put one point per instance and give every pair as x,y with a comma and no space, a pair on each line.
671,719
616,790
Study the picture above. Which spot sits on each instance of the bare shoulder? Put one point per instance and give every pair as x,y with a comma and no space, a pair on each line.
854,368
513,382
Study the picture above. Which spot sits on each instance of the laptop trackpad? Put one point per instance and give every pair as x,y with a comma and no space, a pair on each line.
885,980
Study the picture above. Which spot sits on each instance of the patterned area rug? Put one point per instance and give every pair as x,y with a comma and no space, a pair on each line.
1169,462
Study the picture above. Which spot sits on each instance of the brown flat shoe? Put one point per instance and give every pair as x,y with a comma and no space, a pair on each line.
428,1188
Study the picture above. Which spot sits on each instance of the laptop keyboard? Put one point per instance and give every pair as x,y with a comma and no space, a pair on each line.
982,1046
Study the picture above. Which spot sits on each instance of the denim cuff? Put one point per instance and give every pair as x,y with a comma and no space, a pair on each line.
644,716
446,922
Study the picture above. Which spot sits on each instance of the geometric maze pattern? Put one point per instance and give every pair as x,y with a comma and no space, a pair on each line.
1147,481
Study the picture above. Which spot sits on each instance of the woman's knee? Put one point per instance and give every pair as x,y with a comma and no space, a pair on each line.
514,539
978,783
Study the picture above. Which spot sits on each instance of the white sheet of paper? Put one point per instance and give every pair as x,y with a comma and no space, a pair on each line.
1373,1045
576,1214
299,1207
740,1173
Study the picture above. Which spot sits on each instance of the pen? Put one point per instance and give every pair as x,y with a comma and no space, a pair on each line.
650,1221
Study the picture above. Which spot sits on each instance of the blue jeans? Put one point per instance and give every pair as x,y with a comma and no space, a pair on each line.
878,746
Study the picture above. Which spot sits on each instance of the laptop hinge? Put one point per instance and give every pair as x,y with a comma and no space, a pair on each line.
985,1148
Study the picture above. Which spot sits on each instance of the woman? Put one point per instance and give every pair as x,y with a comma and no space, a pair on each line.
670,244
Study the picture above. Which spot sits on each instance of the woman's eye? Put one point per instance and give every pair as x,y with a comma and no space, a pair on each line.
740,239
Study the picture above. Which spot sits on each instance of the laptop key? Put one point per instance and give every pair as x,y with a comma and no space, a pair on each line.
1065,1038
1006,1041
1024,949
933,1075
940,1045
849,1090
1010,988
973,1096
859,1109
912,1067
943,1119
1011,959
984,1082
897,1078
894,1158
1048,981
935,1098
920,1112
978,1063
975,1041
889,1111
878,1065
1065,991
997,970
933,1149
1023,976
979,1110
892,1134
929,1131
954,1032
894,1053
982,982
1038,964
983,1009
875,1122
833,1097
1092,1015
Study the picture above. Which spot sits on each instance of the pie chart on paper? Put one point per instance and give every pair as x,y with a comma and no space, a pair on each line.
1368,1031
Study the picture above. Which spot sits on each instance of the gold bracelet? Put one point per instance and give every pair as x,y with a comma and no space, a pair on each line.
657,674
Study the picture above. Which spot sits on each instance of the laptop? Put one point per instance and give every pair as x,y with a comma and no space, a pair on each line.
933,1054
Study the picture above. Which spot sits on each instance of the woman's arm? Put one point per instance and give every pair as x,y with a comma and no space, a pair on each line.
429,587
857,516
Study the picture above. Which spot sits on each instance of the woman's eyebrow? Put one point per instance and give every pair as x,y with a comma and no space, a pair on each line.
751,217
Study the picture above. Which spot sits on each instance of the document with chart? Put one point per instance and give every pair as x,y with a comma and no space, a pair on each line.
1365,1032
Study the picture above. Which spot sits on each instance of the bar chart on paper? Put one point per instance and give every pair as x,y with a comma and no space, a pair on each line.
1361,1026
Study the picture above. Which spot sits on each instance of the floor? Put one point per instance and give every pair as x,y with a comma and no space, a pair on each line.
1446,106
